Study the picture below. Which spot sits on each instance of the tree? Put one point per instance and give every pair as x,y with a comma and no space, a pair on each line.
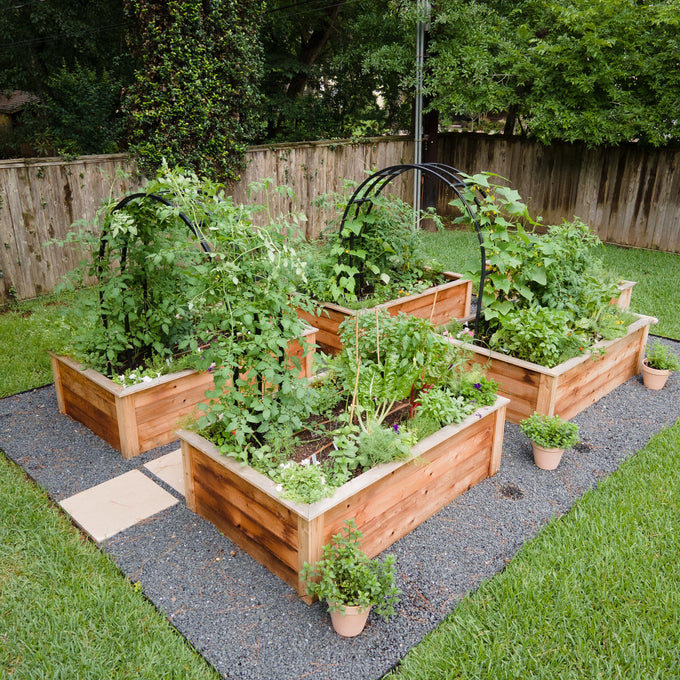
195,100
326,74
597,71
69,54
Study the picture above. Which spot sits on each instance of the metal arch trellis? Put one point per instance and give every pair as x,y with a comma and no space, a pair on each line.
372,187
102,245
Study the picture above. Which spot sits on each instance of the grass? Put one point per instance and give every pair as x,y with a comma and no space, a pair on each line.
65,609
27,330
657,274
595,595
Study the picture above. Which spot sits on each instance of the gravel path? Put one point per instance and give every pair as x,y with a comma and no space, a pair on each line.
247,622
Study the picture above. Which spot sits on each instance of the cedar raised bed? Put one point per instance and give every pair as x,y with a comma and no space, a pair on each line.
141,417
387,501
572,386
440,304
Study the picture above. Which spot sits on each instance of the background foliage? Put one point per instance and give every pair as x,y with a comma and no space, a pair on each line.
602,71
195,100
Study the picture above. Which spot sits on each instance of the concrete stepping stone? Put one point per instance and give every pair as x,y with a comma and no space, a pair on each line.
107,509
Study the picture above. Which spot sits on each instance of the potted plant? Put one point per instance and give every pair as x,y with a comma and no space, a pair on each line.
657,366
397,428
375,258
550,436
178,272
351,582
549,333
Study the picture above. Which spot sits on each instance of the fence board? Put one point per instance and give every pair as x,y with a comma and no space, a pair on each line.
39,201
628,195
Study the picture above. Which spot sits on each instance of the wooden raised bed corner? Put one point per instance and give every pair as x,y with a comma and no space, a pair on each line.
141,417
569,387
387,501
440,304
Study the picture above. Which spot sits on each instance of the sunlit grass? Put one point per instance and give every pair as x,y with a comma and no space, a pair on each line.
596,595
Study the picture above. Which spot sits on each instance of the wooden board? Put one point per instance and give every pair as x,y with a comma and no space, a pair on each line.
141,417
570,387
440,304
387,501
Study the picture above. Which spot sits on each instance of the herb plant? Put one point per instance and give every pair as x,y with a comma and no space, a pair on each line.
346,576
550,431
662,358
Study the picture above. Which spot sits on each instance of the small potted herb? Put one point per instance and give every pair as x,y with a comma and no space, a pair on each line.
351,582
657,366
550,437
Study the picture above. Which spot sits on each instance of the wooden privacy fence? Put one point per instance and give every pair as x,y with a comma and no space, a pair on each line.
39,201
627,195
314,169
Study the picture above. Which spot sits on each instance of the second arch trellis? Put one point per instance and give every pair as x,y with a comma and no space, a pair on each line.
373,186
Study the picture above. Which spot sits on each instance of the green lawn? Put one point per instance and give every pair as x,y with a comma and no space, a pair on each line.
596,595
66,612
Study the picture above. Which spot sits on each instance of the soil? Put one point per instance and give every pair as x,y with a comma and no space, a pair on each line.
313,441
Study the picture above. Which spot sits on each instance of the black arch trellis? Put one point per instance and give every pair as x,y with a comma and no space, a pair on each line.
372,187
102,246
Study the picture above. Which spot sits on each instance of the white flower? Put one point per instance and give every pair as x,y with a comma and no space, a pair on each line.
146,378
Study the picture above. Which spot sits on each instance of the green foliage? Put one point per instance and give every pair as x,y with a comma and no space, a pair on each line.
379,445
383,359
597,72
550,431
78,114
140,256
324,66
546,296
662,358
377,256
71,55
194,101
302,483
346,576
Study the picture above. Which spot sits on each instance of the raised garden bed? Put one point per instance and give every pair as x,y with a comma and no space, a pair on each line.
440,304
140,417
387,501
572,386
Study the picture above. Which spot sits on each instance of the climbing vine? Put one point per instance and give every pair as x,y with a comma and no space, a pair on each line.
195,99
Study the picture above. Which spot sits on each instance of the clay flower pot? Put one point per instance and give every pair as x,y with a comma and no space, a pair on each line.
349,621
654,378
546,459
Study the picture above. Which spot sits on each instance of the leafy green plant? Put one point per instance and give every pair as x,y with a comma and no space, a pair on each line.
547,296
550,431
376,256
662,358
302,482
346,576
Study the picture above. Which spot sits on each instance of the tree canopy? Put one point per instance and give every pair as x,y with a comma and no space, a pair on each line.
597,71
195,82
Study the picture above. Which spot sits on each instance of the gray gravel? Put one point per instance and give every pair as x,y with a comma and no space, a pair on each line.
247,622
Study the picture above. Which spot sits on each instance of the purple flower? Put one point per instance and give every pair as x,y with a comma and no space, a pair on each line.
395,427
478,386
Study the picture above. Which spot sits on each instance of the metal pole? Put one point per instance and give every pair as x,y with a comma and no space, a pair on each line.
418,118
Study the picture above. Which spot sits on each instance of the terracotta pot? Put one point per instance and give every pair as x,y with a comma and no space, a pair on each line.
349,621
547,459
654,378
